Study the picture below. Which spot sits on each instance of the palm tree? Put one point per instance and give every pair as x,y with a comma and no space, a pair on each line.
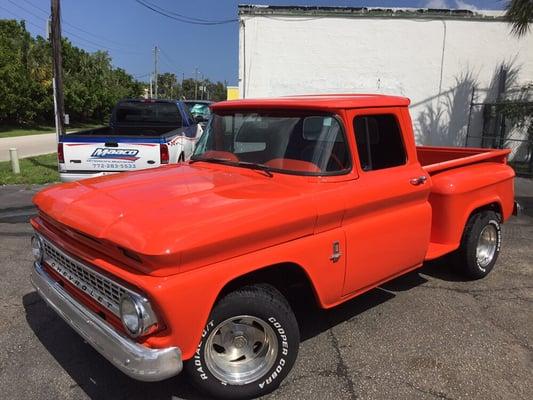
520,15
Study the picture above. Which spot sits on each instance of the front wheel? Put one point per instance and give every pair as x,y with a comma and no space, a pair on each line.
249,344
480,245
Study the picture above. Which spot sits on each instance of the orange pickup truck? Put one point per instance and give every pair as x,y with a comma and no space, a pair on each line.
190,265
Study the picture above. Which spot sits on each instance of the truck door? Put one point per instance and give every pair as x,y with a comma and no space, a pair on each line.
388,217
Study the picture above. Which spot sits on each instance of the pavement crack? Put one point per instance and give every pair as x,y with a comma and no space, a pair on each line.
342,368
472,291
434,393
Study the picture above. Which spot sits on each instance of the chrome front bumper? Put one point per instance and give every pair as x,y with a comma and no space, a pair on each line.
135,360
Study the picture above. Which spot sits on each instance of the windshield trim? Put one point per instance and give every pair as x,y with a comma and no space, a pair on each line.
337,117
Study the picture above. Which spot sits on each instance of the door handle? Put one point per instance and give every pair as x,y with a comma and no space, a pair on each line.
419,180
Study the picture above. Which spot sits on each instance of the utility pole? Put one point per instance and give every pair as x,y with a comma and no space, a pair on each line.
195,83
55,38
156,50
151,94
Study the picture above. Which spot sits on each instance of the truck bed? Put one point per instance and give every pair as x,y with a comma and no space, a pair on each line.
121,131
475,179
438,159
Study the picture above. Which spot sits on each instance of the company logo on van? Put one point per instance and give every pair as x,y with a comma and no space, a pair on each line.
115,154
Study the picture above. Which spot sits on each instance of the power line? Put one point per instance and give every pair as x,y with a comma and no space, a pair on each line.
21,18
168,59
47,13
183,18
188,17
91,42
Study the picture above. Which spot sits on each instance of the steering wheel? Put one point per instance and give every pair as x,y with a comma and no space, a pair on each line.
321,147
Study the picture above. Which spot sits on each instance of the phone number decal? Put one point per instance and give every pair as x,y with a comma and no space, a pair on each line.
113,165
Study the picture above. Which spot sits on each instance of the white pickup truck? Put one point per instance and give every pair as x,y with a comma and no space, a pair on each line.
141,134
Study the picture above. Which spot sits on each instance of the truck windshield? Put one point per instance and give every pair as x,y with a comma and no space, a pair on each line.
292,143
199,109
148,113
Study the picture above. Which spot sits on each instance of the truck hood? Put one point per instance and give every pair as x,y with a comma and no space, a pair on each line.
194,214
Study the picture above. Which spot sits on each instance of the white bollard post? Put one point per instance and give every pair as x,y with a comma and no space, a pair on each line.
13,155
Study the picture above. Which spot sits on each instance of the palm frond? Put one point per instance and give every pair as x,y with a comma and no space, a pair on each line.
520,15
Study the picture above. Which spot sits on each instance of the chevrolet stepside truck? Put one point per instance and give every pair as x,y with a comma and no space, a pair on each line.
141,134
190,266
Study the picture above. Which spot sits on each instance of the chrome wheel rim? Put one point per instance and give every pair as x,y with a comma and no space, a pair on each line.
486,245
241,350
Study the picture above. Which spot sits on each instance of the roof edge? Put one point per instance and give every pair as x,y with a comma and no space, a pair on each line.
367,12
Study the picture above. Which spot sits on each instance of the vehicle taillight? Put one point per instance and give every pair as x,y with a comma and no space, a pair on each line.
60,154
163,151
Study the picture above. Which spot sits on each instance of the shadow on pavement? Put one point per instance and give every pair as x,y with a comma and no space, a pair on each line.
17,215
98,378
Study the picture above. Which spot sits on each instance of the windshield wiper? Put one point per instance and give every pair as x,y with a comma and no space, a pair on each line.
246,164
211,159
260,167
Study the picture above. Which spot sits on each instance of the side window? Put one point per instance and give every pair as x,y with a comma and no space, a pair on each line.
379,142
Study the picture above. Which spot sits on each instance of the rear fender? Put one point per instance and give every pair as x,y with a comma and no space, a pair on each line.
457,193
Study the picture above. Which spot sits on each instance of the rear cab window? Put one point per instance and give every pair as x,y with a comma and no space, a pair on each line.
379,142
148,113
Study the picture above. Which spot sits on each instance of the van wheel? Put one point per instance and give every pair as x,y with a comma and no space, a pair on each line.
249,344
480,245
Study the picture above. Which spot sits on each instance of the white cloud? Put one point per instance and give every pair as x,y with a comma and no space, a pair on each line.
437,4
463,5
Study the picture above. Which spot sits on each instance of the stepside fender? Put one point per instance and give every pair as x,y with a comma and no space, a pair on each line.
457,193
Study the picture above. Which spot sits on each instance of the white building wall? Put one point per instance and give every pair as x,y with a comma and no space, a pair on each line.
433,62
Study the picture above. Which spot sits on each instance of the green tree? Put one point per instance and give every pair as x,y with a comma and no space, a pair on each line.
15,77
92,85
167,86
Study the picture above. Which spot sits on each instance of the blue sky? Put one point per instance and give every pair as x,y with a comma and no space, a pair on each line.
129,31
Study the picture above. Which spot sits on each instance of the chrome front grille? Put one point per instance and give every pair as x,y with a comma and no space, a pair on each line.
98,286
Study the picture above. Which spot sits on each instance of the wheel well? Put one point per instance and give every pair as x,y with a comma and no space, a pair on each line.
494,206
289,278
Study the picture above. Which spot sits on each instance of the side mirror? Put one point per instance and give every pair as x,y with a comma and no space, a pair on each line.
199,118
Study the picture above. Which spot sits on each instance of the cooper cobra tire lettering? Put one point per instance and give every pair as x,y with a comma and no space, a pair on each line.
284,352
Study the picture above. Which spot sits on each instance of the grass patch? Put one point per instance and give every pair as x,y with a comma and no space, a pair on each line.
11,131
39,169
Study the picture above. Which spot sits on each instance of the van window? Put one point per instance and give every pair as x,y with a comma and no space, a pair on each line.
379,142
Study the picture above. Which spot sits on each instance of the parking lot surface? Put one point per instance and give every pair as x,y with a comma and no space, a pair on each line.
427,335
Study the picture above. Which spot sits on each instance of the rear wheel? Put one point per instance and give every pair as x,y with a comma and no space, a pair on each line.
249,344
480,245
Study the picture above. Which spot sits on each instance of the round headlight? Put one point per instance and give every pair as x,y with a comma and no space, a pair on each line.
131,314
37,248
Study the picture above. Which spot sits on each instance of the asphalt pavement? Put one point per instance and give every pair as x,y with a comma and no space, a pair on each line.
426,335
